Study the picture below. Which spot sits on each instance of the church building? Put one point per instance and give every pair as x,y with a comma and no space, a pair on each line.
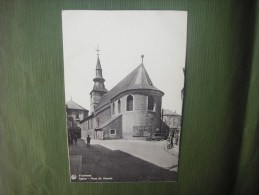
130,110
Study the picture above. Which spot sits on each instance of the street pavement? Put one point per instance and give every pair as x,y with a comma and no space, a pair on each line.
154,152
123,161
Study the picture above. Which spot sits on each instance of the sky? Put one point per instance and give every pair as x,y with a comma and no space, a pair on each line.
122,37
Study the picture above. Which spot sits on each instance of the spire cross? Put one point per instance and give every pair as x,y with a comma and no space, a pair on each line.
97,50
142,56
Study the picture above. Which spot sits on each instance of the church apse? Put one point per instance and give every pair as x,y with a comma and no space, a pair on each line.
132,104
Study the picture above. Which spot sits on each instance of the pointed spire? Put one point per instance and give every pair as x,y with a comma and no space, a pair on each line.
142,56
98,64
99,80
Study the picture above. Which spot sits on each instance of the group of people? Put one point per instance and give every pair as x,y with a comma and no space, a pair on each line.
173,138
73,136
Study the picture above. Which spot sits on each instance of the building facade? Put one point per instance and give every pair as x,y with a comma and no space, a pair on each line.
130,110
76,111
172,120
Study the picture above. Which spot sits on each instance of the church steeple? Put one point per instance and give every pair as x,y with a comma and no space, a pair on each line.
98,70
99,80
99,88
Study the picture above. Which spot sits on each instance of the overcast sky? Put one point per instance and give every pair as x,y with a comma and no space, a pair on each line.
123,36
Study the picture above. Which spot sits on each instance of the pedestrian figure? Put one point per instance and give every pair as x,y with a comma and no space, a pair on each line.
70,137
168,143
75,137
176,139
172,141
88,139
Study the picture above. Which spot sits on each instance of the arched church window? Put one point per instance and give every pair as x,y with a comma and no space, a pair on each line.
113,108
129,103
92,125
150,103
97,121
119,106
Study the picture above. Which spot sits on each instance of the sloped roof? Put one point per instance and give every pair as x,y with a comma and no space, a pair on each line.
137,79
72,105
109,121
169,112
99,87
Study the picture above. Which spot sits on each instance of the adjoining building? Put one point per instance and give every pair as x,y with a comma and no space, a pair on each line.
173,120
131,109
76,111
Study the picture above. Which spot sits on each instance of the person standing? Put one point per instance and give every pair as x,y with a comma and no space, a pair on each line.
172,141
88,139
75,137
176,139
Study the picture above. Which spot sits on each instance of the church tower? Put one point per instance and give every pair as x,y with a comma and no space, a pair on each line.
99,89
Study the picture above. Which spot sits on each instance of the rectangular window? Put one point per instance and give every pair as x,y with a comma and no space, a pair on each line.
112,132
150,103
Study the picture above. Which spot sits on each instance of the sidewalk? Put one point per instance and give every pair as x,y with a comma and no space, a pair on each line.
174,150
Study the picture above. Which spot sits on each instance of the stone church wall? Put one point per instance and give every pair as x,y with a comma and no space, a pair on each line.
115,125
140,116
103,116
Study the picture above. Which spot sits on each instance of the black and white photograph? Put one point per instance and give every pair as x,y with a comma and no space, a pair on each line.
124,87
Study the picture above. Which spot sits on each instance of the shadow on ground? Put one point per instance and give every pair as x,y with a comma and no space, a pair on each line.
99,161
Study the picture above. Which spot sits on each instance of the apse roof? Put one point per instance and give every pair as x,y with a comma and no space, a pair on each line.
137,79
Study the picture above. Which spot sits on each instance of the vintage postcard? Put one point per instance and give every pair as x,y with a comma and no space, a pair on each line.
124,88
